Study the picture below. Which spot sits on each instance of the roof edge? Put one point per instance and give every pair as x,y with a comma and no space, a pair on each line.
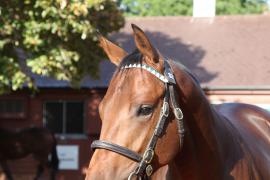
191,17
236,88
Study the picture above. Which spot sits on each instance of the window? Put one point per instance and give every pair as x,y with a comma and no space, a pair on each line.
12,108
64,117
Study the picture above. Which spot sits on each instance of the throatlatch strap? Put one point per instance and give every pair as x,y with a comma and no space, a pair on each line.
176,109
178,115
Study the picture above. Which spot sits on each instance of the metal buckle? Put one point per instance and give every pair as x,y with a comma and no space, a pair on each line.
133,173
178,113
165,109
148,155
149,170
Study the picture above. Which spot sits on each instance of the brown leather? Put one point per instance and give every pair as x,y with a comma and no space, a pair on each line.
99,144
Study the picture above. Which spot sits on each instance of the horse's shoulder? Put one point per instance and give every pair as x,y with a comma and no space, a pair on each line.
242,111
248,119
245,114
252,126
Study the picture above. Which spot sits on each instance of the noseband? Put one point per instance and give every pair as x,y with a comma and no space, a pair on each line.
144,169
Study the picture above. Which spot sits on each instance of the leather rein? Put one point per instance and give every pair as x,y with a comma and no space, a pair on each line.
144,169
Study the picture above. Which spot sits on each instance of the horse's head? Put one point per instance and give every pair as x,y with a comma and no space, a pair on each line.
131,112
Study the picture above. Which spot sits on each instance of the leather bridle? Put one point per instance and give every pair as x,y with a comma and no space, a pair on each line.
144,169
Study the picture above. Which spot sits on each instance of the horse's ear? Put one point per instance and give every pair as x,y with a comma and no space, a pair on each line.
144,45
114,52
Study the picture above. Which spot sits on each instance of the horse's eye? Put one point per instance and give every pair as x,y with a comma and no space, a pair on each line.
145,110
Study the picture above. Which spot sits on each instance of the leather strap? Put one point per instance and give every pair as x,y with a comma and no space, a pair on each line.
176,108
178,115
149,152
100,144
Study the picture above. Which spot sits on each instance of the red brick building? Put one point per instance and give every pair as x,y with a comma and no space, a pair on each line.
229,55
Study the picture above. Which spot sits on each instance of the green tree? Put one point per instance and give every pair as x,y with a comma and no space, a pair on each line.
54,38
156,7
184,7
227,7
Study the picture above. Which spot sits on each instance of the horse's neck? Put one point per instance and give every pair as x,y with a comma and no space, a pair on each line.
201,156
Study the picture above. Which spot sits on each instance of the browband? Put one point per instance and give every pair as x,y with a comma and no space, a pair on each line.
149,69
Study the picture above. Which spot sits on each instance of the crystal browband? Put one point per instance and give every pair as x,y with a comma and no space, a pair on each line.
149,69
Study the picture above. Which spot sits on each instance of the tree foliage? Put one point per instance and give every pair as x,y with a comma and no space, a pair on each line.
228,7
54,38
184,7
156,7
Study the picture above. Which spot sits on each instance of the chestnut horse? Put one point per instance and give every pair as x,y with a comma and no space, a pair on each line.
155,114
38,141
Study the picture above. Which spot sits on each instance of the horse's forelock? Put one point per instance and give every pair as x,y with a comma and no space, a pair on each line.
132,58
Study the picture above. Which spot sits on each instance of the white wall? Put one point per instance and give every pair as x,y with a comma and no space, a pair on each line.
204,8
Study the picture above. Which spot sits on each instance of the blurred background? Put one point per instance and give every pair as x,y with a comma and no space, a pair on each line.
53,74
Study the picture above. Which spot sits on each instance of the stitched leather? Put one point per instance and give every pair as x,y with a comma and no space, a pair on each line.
101,144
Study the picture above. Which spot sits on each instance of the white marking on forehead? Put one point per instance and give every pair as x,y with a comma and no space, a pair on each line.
149,69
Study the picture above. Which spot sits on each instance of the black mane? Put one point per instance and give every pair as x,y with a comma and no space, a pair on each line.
133,58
